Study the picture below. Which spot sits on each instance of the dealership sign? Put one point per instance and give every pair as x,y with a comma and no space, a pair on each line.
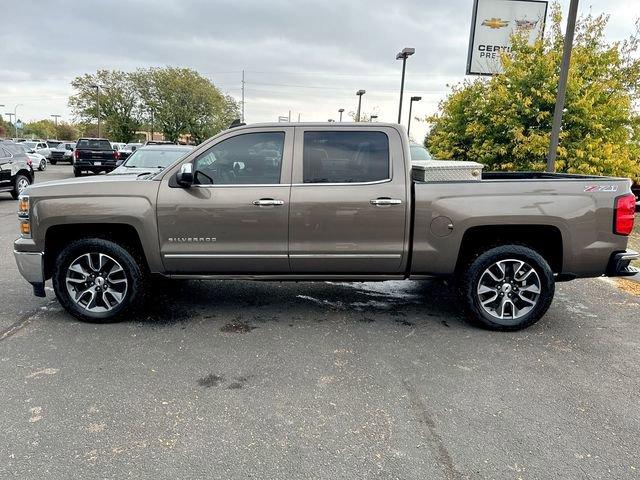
493,24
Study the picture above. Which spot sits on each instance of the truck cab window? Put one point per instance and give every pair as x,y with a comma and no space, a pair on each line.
345,157
248,159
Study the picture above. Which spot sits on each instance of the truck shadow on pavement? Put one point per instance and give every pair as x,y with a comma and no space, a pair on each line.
241,306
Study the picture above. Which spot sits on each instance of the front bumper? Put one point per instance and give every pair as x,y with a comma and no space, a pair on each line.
619,264
31,267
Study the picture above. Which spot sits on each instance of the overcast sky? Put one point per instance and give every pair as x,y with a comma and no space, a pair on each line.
303,56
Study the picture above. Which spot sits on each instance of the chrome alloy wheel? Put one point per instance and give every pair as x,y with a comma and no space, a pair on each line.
22,184
509,289
96,282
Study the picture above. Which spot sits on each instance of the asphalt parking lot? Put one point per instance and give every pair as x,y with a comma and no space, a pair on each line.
316,380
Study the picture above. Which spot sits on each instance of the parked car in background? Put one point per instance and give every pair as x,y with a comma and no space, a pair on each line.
62,153
128,149
37,146
635,188
16,168
159,142
53,143
38,161
94,155
117,146
151,159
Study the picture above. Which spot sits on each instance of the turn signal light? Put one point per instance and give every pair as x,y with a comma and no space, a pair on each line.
25,228
625,211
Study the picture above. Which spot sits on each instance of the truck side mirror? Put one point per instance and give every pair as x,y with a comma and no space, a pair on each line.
184,177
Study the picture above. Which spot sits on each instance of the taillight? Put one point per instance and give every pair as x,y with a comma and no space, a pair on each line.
625,211
29,162
116,154
76,154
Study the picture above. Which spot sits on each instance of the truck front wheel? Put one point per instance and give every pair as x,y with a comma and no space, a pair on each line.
98,281
508,288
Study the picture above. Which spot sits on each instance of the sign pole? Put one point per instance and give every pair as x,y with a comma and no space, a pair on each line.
562,86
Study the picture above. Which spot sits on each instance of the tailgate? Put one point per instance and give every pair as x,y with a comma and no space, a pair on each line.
91,155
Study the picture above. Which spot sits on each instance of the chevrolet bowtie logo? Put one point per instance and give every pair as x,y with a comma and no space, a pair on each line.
495,23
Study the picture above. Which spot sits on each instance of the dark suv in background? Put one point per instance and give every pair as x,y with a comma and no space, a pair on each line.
16,168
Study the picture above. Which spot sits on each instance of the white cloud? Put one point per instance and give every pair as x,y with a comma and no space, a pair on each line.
305,56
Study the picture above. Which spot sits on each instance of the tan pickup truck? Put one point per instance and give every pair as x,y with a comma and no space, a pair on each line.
318,201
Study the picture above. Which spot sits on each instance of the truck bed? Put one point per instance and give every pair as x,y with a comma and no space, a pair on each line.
578,209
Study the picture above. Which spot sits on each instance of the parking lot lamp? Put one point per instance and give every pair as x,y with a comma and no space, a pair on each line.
56,116
340,111
15,117
413,99
373,117
359,93
403,55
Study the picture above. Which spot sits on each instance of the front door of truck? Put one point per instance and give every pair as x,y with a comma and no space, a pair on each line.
235,218
349,211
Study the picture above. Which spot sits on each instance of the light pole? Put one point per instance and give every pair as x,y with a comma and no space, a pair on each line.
373,117
15,115
403,55
562,86
9,114
359,93
340,111
413,99
56,116
97,87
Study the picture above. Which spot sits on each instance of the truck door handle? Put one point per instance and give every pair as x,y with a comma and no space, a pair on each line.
383,201
268,202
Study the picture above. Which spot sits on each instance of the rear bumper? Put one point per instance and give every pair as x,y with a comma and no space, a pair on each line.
619,264
90,165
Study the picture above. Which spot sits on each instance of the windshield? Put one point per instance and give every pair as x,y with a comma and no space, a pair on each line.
418,152
153,158
29,144
91,144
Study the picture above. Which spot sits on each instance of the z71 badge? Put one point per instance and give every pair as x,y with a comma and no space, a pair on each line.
601,188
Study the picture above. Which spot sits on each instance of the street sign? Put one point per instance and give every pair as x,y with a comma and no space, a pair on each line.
492,25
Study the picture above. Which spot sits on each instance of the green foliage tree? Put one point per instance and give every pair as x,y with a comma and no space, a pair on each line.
40,129
67,131
184,102
120,109
505,122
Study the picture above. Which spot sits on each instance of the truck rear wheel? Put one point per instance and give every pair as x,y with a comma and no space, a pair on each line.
508,288
77,172
99,281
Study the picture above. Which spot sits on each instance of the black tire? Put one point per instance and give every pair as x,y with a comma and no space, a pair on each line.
134,270
43,165
77,172
515,289
17,181
53,162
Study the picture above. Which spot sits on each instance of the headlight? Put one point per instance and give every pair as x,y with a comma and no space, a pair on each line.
23,216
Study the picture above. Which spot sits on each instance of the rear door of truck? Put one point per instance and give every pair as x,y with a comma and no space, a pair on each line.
349,201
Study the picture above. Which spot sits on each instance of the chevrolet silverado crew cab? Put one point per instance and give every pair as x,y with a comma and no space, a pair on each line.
323,201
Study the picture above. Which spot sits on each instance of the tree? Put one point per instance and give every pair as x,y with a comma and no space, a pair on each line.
40,129
120,108
184,102
66,131
505,122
